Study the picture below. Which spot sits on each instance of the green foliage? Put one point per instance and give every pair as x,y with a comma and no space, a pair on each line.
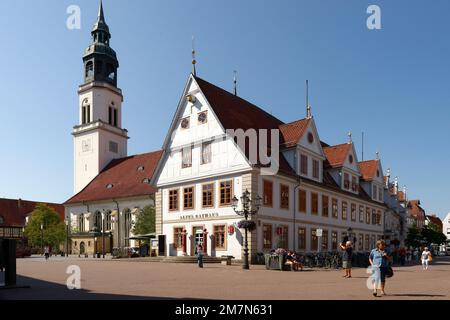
413,237
145,221
432,236
53,233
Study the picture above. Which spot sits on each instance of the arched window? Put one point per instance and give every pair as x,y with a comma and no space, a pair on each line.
89,69
85,112
80,223
98,221
127,225
108,220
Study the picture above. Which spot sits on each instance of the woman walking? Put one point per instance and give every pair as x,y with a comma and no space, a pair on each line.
379,260
426,254
347,258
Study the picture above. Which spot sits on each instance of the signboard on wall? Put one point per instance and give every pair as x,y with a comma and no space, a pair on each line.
11,232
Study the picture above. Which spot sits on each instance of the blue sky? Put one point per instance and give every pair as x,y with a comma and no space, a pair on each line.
393,83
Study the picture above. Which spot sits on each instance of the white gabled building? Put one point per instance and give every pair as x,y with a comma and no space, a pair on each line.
317,186
446,226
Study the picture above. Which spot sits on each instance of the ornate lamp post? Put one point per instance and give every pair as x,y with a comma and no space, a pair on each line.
67,236
249,208
42,238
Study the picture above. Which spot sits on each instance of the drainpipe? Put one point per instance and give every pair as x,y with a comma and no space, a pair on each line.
118,225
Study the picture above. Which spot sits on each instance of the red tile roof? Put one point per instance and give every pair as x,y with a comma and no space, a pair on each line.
125,178
435,220
415,210
336,155
368,169
292,132
14,211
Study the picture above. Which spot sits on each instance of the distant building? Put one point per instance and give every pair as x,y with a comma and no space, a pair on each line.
434,219
395,219
415,213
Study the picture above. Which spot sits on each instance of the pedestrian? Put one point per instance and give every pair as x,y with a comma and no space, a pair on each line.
46,252
347,258
379,260
426,254
402,253
200,255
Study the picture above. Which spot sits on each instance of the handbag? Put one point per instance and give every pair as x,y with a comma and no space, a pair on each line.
389,272
430,258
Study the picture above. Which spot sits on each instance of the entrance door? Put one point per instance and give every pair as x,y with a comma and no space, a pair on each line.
198,238
82,248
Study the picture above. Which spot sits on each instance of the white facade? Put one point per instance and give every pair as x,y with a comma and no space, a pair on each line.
275,225
446,226
98,137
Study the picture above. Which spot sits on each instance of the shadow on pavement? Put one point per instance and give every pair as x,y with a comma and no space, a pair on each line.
415,295
44,290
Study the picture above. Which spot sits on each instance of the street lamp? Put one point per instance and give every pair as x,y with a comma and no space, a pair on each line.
249,208
42,238
67,236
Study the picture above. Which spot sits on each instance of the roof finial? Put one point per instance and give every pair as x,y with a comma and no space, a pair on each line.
194,62
235,82
308,107
388,172
350,137
377,153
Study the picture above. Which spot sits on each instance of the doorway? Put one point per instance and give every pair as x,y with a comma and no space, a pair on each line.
82,248
198,239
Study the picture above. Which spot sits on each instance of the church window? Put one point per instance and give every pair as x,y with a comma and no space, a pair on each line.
98,221
108,220
128,224
80,223
112,116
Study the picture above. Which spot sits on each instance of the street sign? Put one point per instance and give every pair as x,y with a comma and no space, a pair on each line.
11,232
319,232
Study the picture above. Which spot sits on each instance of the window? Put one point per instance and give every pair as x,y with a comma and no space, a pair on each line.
112,116
284,196
113,147
366,242
219,237
334,208
344,210
303,164
360,242
188,197
374,192
80,223
302,238
86,114
361,213
267,236
302,201
314,203
374,216
206,152
334,240
379,217
372,242
368,215
314,240
89,69
316,169
380,195
173,200
353,212
324,240
108,220
284,237
98,221
325,208
346,181
354,184
128,225
208,195
226,191
185,123
178,238
202,117
268,193
186,157
2,220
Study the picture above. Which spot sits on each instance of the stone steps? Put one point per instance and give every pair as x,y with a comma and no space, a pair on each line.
190,259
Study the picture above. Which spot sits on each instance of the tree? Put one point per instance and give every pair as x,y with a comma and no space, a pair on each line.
413,237
53,232
145,221
432,236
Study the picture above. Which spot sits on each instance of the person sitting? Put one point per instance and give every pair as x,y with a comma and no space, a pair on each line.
293,261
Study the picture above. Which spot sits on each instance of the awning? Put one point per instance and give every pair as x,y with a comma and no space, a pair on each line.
143,236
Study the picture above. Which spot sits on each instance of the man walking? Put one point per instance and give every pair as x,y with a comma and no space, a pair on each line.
200,255
426,254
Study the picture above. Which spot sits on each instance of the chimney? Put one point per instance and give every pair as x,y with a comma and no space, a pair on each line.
19,203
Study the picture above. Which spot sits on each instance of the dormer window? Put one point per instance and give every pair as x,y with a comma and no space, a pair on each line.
146,180
185,123
346,181
316,169
109,186
140,168
303,164
354,184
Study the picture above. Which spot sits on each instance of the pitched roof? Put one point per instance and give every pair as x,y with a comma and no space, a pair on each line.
336,155
292,132
415,209
435,220
368,169
14,211
125,175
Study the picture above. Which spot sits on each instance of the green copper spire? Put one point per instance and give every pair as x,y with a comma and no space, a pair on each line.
100,30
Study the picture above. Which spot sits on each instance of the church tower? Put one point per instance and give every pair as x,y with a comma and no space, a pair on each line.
99,136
